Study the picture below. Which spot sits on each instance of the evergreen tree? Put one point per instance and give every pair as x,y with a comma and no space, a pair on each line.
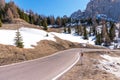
80,30
119,32
89,21
26,18
52,20
77,30
9,15
97,21
112,32
0,23
31,19
69,30
45,24
107,41
94,30
58,21
13,9
48,20
2,14
63,22
65,30
18,40
105,37
104,32
98,39
85,33
91,31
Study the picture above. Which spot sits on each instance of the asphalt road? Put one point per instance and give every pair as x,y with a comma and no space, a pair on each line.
47,68
40,69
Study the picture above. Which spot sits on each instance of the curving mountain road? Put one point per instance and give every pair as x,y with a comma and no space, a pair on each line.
47,68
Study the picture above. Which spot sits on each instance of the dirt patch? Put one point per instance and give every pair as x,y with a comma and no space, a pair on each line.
89,70
58,30
18,23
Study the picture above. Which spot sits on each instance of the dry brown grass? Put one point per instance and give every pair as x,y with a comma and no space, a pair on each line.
10,54
18,23
59,30
89,70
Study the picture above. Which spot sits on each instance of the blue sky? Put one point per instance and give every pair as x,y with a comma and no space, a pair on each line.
52,7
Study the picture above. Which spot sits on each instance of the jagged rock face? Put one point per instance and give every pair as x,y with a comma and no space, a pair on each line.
2,3
76,14
107,7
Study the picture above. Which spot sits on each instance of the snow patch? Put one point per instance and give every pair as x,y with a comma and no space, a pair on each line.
30,36
110,64
73,38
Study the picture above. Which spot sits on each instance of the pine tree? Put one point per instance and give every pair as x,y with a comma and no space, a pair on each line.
91,31
94,30
77,30
69,30
2,4
13,9
80,30
18,40
0,23
107,41
65,30
104,32
105,37
45,24
48,20
89,21
98,39
9,15
112,32
119,32
85,33
52,20
63,22
58,21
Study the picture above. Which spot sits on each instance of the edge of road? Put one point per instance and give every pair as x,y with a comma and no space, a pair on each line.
55,78
35,59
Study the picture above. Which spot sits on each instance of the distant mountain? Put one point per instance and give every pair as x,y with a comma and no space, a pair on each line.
77,14
96,7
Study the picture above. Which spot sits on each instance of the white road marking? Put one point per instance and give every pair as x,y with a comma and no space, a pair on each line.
55,78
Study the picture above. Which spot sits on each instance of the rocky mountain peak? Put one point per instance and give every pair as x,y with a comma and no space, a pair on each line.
107,7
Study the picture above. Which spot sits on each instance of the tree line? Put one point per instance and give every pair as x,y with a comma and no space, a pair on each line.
104,35
10,11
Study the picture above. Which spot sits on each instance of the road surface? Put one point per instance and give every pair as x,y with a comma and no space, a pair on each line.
47,68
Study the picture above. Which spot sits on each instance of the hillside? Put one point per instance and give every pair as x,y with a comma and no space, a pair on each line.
36,43
26,36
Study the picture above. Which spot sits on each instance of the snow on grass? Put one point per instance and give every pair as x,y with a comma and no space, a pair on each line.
30,36
74,38
110,64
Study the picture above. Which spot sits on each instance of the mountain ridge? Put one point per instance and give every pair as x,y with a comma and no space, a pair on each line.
95,7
